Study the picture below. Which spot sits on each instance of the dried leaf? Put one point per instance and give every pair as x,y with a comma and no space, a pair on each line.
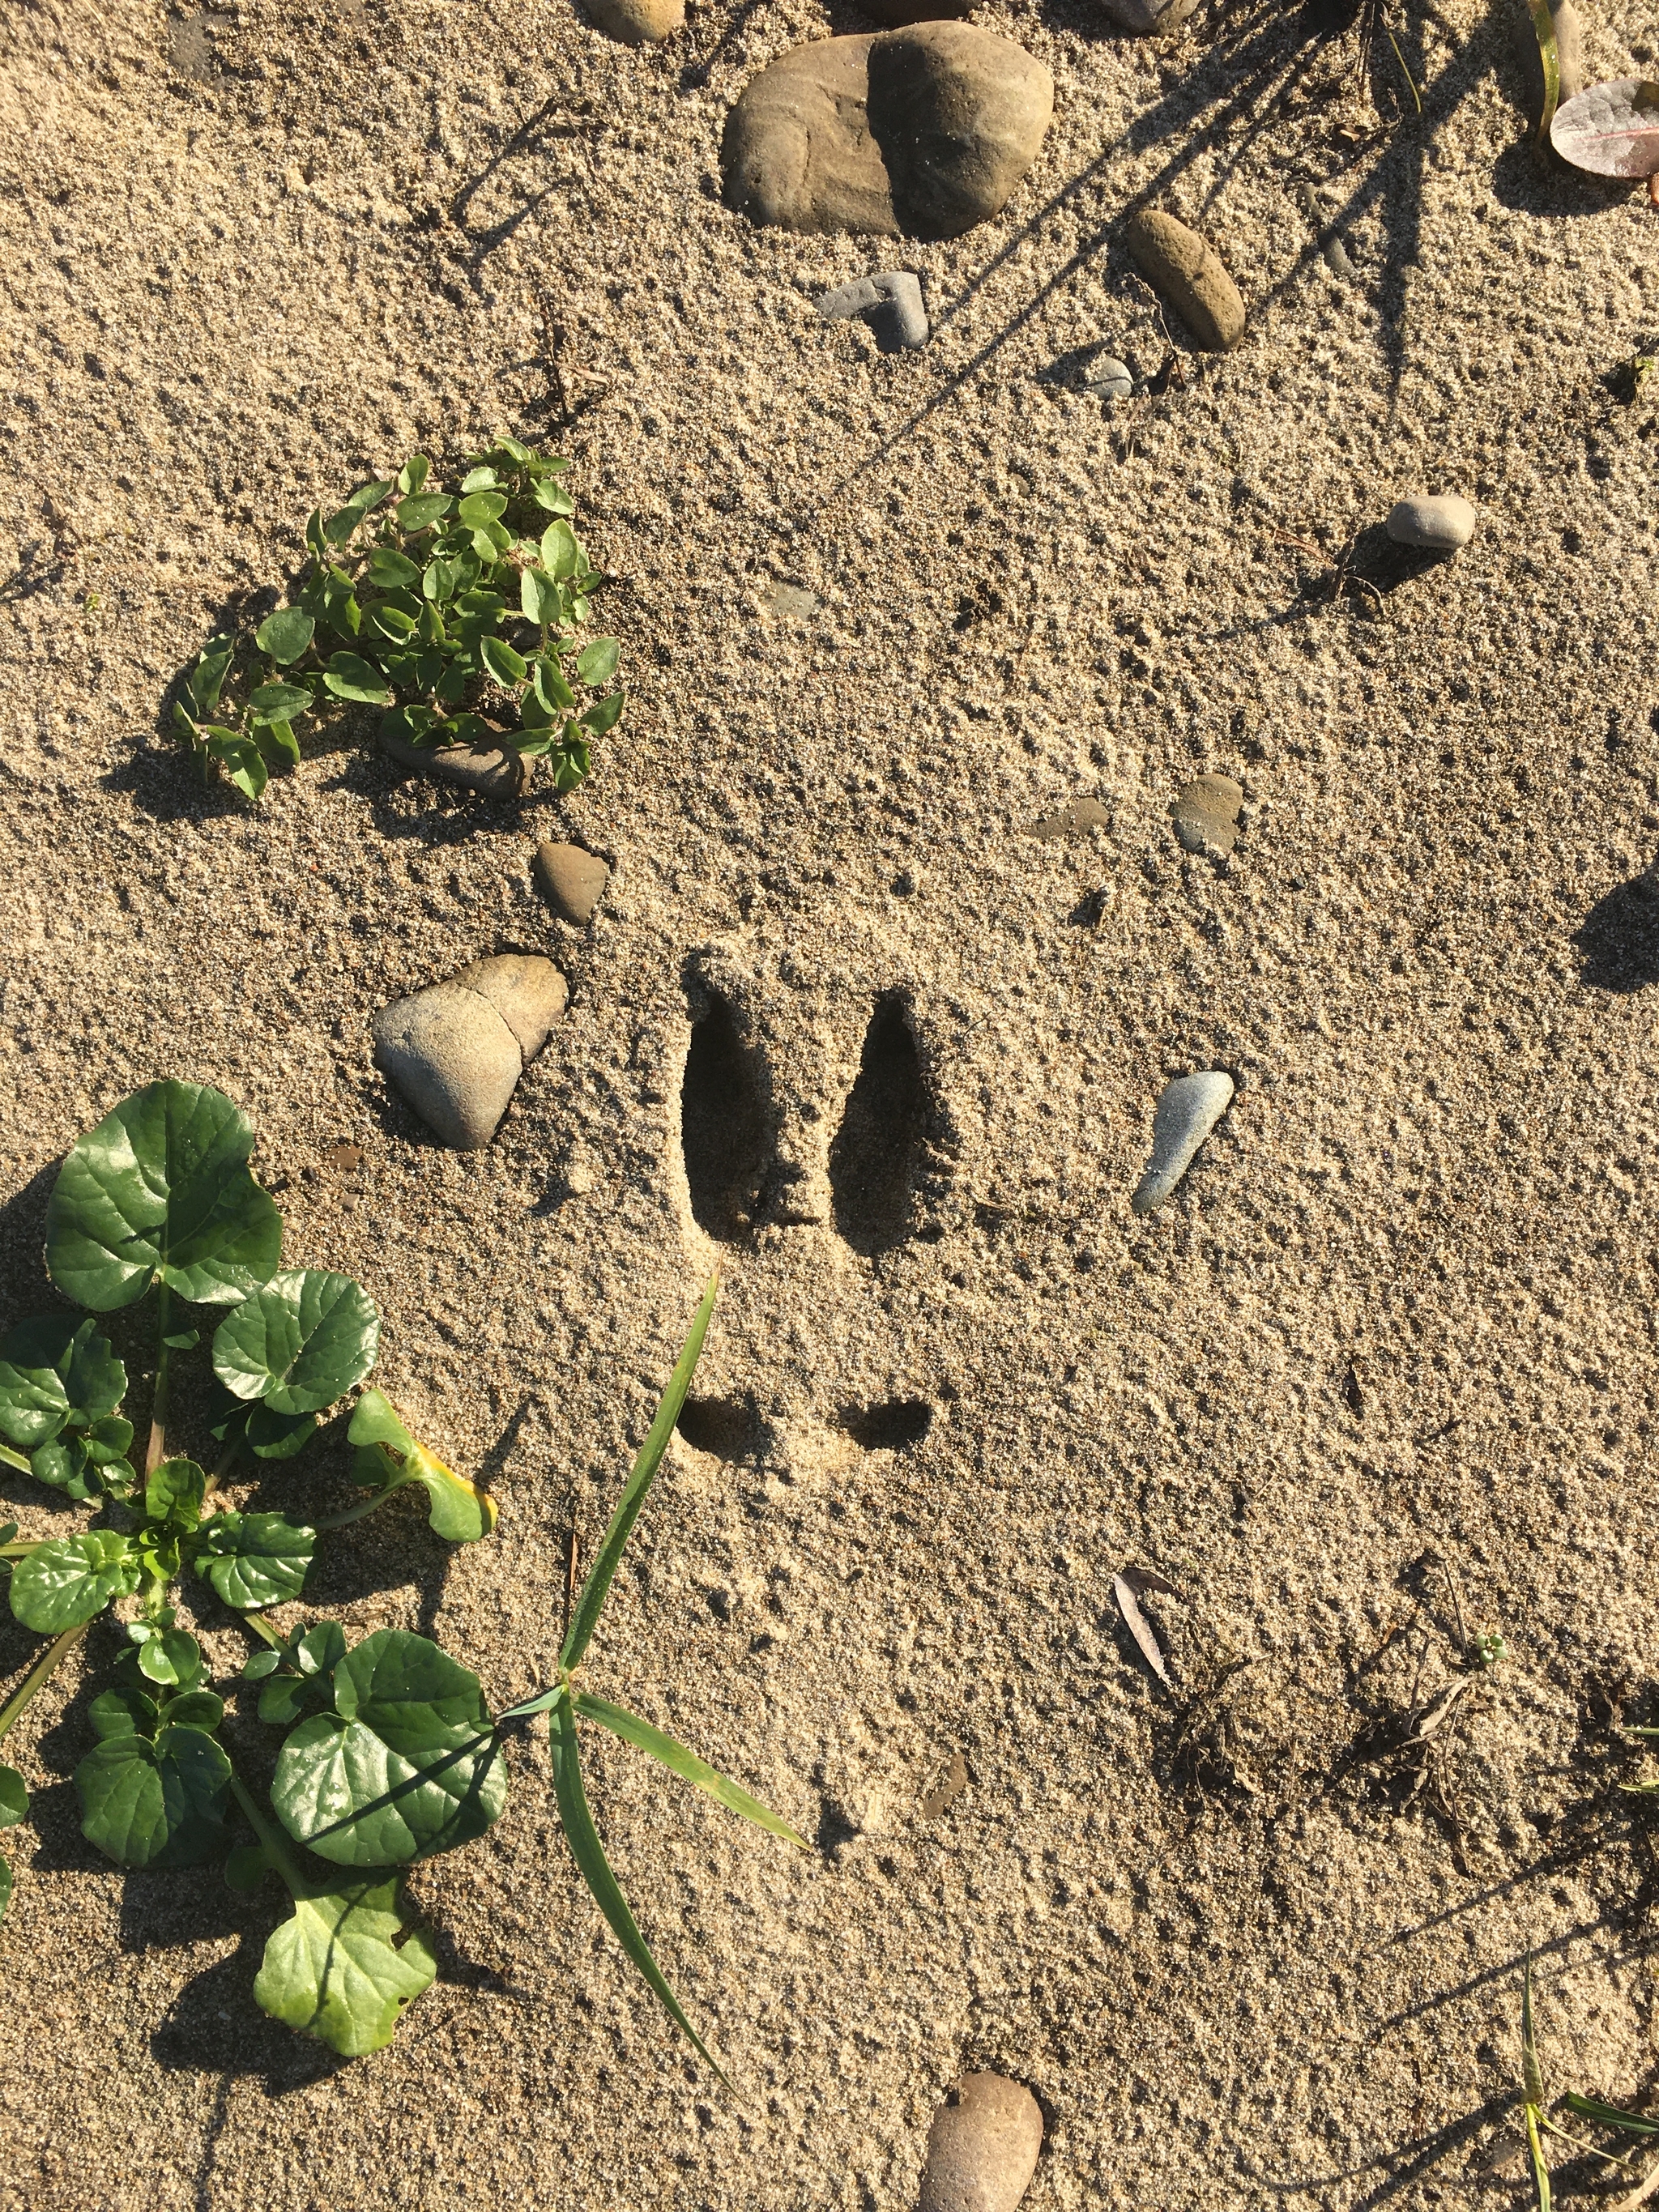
1138,1625
1431,1715
1142,1580
1610,130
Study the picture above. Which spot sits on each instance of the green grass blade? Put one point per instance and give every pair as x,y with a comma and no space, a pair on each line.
632,1729
596,1588
1543,24
1541,2172
595,1869
1532,2074
1610,2115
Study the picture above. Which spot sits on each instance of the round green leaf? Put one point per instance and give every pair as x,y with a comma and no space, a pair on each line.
334,1971
154,1804
299,1343
197,1709
407,1765
348,675
560,551
422,511
285,635
498,656
124,1712
14,1797
389,568
261,1664
278,1435
174,1657
480,479
71,1579
596,662
539,596
279,702
254,1559
161,1189
172,1498
57,1374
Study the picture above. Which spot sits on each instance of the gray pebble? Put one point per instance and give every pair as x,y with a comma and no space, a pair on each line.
498,772
1076,820
1149,18
982,2147
1189,1109
892,300
1434,526
1207,815
789,599
574,881
1110,379
456,1050
1330,242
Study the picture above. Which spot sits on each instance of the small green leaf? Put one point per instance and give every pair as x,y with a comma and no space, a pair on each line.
277,742
173,1658
413,473
596,662
206,680
197,1709
554,694
407,1765
342,526
606,715
271,1435
388,622
335,1971
589,1606
14,1797
246,1868
483,508
72,1579
172,1498
389,569
539,596
279,703
595,1869
368,496
56,1373
160,1189
350,676
1611,2116
521,455
389,1455
255,1559
571,760
632,1729
124,1712
421,511
158,1803
299,1343
552,499
560,552
260,1664
184,724
481,479
5,1887
508,667
241,760
285,635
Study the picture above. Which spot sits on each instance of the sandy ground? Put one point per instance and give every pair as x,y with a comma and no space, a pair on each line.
1399,1314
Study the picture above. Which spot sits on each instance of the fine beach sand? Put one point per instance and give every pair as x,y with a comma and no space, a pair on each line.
1400,1313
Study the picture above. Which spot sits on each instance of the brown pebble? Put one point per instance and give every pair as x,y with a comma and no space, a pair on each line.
573,880
982,2147
1187,274
1207,815
948,1786
1074,821
638,22
345,1159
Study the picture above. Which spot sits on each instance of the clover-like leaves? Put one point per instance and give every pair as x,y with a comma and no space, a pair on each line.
335,1971
152,1791
407,1765
160,1192
255,1559
299,1342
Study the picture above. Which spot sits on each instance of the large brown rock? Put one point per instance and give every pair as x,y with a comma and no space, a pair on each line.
1187,274
925,130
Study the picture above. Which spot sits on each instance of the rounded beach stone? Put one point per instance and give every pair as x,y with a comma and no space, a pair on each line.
959,114
798,150
453,1058
526,990
1433,526
638,22
498,772
1109,379
573,880
1187,274
1206,814
1189,1109
982,2147
1149,19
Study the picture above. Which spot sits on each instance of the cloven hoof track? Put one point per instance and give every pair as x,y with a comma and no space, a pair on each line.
732,1429
873,1160
724,1135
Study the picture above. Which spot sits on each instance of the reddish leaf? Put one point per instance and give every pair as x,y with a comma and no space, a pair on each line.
1611,130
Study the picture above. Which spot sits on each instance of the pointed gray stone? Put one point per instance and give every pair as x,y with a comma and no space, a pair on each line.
456,1050
1189,1109
892,300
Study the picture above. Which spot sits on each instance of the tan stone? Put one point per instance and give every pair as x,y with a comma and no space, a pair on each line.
1206,814
638,22
982,2147
573,880
1187,274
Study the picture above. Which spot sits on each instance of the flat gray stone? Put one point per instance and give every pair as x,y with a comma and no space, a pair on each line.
1189,1109
453,1058
573,880
1149,19
1109,379
526,991
1207,815
1443,524
982,2147
498,772
1076,820
892,300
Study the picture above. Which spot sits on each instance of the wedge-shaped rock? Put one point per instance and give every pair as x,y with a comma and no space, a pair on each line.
1189,1109
456,1050
925,130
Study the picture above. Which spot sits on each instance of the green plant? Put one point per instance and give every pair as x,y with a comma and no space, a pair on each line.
461,614
390,1753
1536,2122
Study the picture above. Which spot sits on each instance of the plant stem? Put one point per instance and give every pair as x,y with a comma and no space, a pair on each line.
158,1412
252,1620
274,1849
9,1458
40,1674
226,1463
20,1550
356,1512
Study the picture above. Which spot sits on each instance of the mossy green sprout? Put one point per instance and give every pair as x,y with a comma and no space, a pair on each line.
465,615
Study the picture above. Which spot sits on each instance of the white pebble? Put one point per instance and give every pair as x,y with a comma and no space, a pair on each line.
1189,1109
1434,525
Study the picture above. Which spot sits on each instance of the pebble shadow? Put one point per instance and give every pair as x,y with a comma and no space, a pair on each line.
1619,940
